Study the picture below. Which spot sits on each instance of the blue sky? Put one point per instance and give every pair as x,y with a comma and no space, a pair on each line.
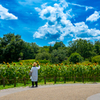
48,21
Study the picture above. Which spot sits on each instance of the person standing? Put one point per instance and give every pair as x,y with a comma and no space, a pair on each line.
34,77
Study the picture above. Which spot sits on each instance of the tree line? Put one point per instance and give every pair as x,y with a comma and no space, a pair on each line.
12,47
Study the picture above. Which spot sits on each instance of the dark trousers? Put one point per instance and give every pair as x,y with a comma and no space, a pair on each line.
36,83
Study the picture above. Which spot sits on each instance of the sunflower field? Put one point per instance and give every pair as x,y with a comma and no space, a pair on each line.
51,72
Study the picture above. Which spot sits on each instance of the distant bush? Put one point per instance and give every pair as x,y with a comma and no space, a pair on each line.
66,62
42,56
58,56
75,58
28,61
96,59
86,62
44,61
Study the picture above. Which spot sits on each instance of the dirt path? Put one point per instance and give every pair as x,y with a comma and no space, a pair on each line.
55,92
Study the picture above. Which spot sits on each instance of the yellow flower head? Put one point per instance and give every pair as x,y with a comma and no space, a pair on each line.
91,65
8,66
30,67
7,63
93,68
59,68
21,63
3,62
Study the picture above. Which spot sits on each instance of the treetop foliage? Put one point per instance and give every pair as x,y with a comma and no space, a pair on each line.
12,47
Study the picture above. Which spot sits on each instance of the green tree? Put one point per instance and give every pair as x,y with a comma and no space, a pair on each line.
11,46
58,44
42,56
75,58
54,57
30,50
1,51
97,47
43,49
50,49
57,56
96,59
83,47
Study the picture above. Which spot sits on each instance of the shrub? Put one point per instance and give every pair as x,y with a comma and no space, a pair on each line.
86,62
42,56
28,61
44,61
58,56
75,58
96,59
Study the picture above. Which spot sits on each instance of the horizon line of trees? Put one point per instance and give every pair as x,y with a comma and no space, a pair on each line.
12,47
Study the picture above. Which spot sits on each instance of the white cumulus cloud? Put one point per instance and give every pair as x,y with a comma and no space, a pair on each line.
42,31
59,23
88,38
57,17
80,27
94,17
53,42
4,14
93,32
77,38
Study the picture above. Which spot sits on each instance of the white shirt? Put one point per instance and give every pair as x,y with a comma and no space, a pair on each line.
34,71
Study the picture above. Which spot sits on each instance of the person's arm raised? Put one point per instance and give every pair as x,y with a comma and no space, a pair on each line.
38,67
